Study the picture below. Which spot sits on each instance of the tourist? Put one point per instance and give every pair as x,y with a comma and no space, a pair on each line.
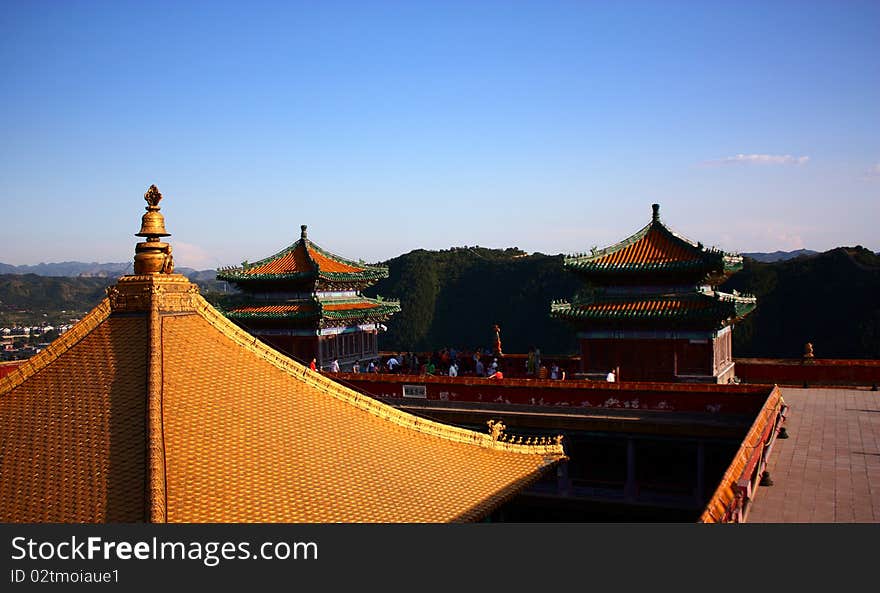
356,367
530,362
610,376
496,374
494,366
371,368
453,370
334,366
430,368
312,365
554,372
479,368
392,364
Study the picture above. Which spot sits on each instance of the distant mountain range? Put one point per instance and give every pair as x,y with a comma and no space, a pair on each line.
779,255
71,269
77,269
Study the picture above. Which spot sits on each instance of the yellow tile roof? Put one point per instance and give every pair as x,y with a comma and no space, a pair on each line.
155,407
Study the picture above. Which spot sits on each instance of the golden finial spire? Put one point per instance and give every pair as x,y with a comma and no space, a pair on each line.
153,256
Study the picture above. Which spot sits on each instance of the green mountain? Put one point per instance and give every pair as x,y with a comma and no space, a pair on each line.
830,299
454,298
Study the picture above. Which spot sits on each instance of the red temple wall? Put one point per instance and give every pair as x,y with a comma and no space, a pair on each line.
652,359
671,397
815,372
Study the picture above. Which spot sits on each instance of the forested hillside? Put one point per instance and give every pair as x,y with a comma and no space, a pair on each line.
831,300
454,297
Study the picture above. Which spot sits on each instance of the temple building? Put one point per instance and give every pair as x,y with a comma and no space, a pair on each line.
650,310
306,302
156,408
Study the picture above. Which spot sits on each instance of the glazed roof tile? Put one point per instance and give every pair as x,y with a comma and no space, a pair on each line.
155,387
655,249
304,260
73,440
352,308
721,307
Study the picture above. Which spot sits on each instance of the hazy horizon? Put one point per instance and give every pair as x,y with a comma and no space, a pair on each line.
388,127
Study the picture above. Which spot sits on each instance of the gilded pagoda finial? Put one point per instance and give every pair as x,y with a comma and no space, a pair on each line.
153,197
302,231
153,256
655,215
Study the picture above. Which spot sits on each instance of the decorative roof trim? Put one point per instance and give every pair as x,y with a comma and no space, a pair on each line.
377,308
62,344
725,498
739,305
554,450
157,494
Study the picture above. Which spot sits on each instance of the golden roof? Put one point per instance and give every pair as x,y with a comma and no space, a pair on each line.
157,408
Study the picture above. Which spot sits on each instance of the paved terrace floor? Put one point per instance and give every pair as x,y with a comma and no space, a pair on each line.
828,470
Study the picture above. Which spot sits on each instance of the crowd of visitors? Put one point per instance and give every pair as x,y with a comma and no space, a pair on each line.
454,362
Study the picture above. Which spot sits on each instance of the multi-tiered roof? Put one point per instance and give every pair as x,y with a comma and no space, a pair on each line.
305,283
655,277
155,407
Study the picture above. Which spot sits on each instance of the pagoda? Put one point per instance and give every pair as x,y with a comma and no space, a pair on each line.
305,302
650,310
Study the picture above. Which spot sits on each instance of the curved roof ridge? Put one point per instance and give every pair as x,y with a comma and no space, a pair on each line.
677,235
365,402
59,346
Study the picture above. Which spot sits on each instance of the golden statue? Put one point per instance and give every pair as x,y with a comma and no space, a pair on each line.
497,344
495,429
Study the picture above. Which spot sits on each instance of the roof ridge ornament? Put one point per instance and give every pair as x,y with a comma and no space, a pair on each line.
655,215
302,231
153,256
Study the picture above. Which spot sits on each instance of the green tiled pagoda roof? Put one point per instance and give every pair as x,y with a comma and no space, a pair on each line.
357,308
303,260
715,308
655,250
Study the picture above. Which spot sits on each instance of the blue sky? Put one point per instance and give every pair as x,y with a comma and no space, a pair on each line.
393,126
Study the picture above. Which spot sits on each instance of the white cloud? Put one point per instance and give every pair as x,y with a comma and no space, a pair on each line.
873,171
760,159
188,255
